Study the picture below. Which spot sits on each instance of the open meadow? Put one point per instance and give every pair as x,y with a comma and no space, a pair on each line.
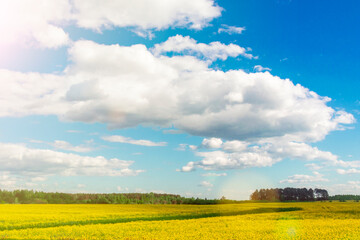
248,220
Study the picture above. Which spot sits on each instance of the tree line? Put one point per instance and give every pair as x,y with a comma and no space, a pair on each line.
347,197
31,197
290,194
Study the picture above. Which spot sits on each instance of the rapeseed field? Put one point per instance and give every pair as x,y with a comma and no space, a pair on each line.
312,220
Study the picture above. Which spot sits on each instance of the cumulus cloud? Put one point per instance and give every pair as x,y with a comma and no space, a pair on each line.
230,29
42,22
122,139
35,22
19,159
219,160
145,15
135,87
259,68
265,152
300,178
211,51
211,143
298,150
235,146
260,118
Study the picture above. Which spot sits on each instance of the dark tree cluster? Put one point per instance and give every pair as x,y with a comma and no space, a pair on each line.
290,194
29,196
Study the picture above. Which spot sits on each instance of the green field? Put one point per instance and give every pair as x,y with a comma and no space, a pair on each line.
311,220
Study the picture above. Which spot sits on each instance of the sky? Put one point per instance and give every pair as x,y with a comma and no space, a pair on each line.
199,98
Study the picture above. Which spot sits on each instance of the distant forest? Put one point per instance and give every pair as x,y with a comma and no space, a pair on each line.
29,197
290,194
277,194
347,197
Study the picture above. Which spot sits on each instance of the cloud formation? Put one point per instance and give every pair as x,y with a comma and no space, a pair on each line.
212,143
230,29
261,153
348,171
259,68
63,145
300,178
211,51
42,22
36,22
145,15
141,142
258,118
19,159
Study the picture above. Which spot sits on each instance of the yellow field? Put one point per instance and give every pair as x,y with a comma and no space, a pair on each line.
236,221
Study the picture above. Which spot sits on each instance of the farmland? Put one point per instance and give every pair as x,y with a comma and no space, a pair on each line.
248,220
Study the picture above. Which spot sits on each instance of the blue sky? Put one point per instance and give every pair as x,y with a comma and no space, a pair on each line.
203,99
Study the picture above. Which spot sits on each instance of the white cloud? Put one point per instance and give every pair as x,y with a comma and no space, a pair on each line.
297,150
193,147
214,174
211,51
219,160
34,22
145,15
351,187
300,178
230,29
265,152
348,164
190,166
19,159
63,145
211,143
166,91
263,118
81,185
185,146
313,166
42,22
235,146
344,117
259,68
122,139
348,171
206,184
